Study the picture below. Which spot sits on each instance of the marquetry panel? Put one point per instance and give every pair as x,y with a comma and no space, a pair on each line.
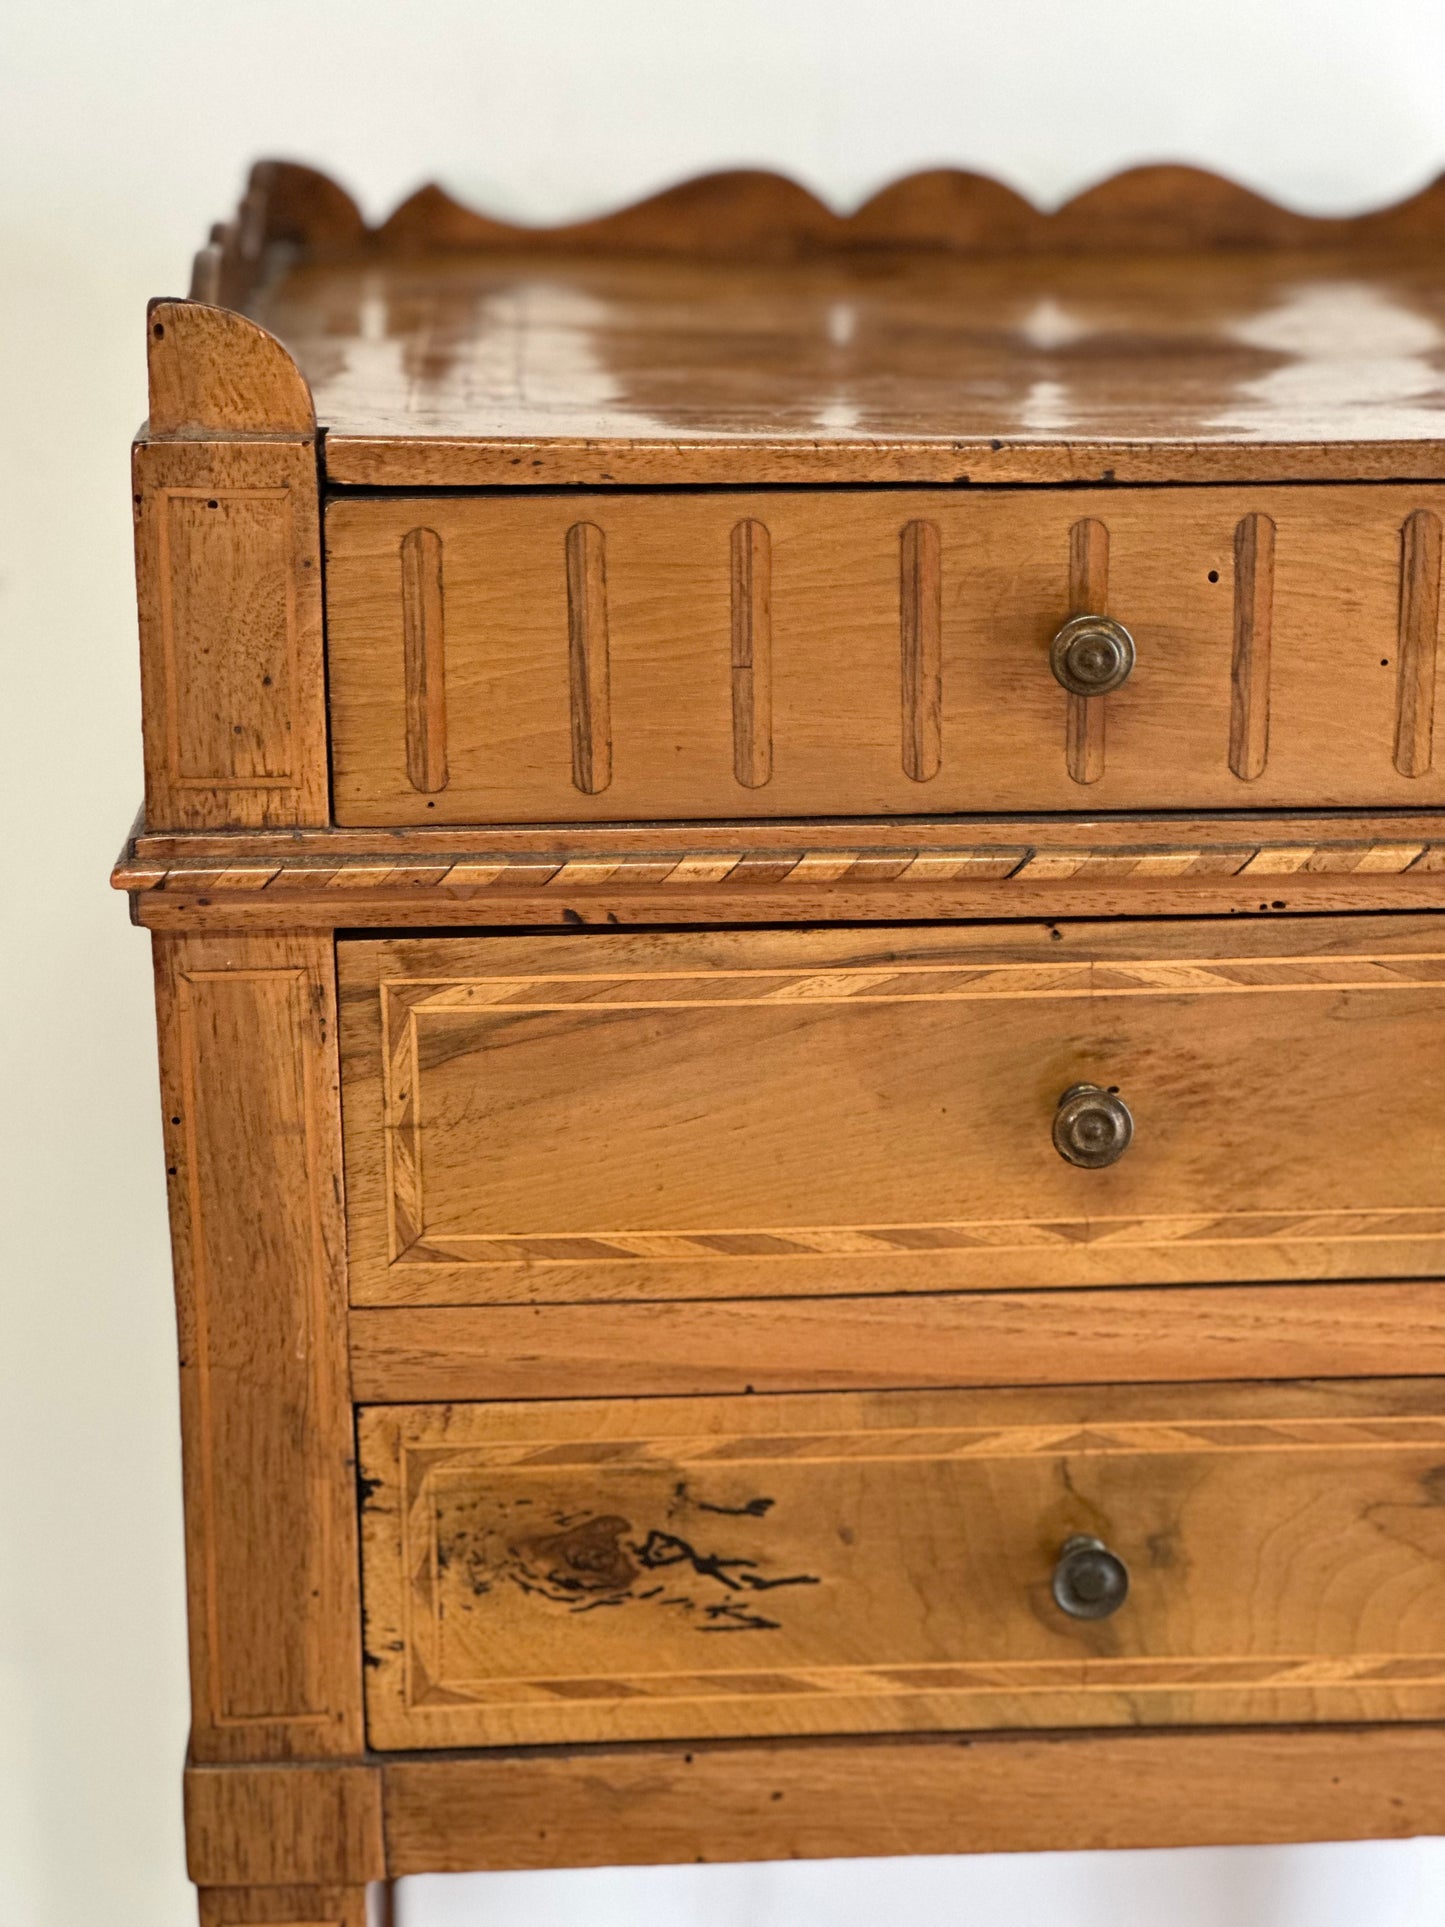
674,1115
712,655
668,1568
228,559
247,1031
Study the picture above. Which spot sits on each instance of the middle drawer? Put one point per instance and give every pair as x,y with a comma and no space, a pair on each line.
753,1113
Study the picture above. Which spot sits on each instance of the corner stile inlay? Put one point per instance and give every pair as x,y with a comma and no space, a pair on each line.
752,653
1253,629
424,639
1418,642
589,679
1088,596
920,610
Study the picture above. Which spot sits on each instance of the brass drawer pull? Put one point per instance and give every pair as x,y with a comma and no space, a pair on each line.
1092,1127
1090,1582
1092,655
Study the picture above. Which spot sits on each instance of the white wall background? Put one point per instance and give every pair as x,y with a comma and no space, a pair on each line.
125,126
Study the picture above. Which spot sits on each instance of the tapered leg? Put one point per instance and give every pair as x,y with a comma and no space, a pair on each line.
283,1907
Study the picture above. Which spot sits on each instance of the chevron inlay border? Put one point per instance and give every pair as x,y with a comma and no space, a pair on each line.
779,868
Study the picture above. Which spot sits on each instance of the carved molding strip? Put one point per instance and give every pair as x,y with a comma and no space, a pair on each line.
364,875
1159,209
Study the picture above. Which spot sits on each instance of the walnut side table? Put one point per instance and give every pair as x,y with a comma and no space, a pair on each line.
796,866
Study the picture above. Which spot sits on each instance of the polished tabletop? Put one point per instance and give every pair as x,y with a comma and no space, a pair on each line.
496,368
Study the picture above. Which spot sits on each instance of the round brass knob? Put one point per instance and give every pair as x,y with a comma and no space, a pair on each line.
1092,1126
1092,655
1090,1582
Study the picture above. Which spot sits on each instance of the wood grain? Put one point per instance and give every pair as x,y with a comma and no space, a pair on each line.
283,1906
248,1068
1088,596
752,640
423,620
987,1793
1337,840
1164,207
756,1114
1418,643
529,742
882,1562
212,371
779,872
589,683
1363,1329
921,623
1253,632
228,572
901,363
277,1825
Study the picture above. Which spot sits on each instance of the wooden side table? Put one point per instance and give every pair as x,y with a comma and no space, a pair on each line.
796,870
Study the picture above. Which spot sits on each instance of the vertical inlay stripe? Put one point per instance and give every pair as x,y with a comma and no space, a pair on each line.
423,624
752,625
921,634
589,683
1253,632
1419,636
1088,596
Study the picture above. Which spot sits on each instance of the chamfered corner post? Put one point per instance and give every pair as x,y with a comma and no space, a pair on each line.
249,1083
283,1819
227,511
289,1907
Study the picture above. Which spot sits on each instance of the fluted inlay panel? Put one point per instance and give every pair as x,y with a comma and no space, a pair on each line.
921,626
589,681
1418,642
423,621
752,653
1253,633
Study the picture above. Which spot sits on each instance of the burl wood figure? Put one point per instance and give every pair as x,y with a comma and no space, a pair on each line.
797,868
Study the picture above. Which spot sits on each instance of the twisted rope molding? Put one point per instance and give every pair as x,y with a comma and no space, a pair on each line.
772,868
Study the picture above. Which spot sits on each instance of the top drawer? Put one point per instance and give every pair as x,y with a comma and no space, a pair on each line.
608,657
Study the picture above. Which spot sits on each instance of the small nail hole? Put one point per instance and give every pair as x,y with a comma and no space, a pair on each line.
1214,575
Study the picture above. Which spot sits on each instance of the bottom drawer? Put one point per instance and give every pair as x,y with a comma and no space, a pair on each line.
674,1568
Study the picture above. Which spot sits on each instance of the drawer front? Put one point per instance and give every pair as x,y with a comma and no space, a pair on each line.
779,1113
567,657
897,1560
